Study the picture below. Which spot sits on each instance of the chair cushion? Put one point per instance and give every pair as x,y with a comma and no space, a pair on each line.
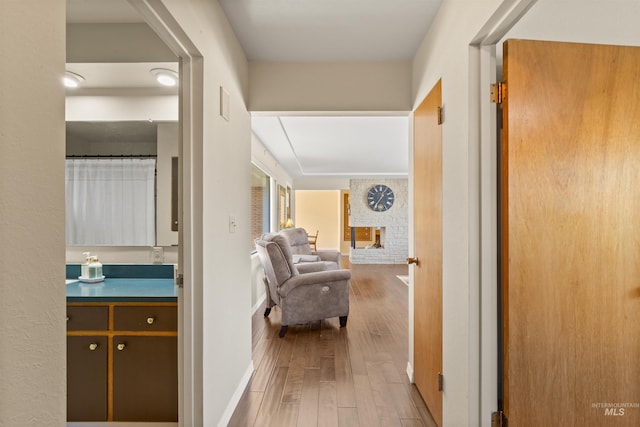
298,240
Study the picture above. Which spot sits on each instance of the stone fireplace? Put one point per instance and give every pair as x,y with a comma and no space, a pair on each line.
378,239
391,241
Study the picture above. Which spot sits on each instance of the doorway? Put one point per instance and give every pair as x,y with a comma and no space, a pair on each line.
569,262
189,102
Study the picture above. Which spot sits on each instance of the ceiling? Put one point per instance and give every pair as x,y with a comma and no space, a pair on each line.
299,31
330,30
337,146
127,78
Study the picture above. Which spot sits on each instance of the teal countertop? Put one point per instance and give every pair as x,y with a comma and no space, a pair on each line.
123,290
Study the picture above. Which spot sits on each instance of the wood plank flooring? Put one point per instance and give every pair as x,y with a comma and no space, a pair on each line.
322,375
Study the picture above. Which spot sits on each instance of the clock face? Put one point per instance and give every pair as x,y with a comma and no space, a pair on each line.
380,198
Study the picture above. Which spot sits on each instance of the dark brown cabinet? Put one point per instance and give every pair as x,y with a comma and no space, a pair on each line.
122,362
87,378
142,390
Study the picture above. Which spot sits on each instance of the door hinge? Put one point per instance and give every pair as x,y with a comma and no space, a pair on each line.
180,280
440,381
498,419
440,115
498,92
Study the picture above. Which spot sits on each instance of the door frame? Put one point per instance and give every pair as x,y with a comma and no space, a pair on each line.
483,215
190,122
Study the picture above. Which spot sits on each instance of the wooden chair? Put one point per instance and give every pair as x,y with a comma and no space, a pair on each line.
313,240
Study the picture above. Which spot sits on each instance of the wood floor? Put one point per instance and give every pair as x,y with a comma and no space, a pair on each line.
321,375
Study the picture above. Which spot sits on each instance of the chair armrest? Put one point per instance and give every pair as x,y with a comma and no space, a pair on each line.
315,278
311,267
329,256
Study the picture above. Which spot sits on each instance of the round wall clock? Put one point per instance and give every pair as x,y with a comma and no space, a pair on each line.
380,198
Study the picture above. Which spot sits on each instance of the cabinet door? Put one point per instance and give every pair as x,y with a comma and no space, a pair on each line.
87,378
145,378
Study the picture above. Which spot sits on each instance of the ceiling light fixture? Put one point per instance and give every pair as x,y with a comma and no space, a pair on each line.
165,76
72,79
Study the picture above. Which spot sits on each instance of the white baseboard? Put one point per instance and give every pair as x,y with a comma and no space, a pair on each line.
410,372
237,395
258,304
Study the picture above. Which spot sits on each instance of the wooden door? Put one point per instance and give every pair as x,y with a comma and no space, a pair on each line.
570,234
428,249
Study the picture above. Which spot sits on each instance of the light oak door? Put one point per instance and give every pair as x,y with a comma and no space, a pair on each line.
570,234
427,146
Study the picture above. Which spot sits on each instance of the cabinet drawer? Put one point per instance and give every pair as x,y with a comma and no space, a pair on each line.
146,318
87,318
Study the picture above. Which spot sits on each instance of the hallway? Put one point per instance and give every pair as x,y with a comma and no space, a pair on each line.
320,375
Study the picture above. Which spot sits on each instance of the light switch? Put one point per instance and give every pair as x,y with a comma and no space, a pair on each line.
232,224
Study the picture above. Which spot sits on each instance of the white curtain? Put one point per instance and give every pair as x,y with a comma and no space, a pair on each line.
110,202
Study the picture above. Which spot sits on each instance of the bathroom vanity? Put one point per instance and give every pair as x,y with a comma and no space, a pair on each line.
122,350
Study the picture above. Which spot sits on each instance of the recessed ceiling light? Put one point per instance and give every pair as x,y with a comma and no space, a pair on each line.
165,77
72,79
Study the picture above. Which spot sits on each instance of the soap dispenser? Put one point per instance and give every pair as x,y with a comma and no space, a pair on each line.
95,268
84,268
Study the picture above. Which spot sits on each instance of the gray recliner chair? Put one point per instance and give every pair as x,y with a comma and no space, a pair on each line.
302,297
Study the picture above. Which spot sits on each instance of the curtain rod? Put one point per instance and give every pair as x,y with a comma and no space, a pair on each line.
112,156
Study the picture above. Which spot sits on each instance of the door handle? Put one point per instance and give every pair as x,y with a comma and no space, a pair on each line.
413,261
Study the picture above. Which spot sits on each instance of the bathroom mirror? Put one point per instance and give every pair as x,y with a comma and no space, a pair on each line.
131,140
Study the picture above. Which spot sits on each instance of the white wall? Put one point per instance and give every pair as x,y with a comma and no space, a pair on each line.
32,134
588,21
220,173
321,183
120,254
162,108
362,86
133,42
